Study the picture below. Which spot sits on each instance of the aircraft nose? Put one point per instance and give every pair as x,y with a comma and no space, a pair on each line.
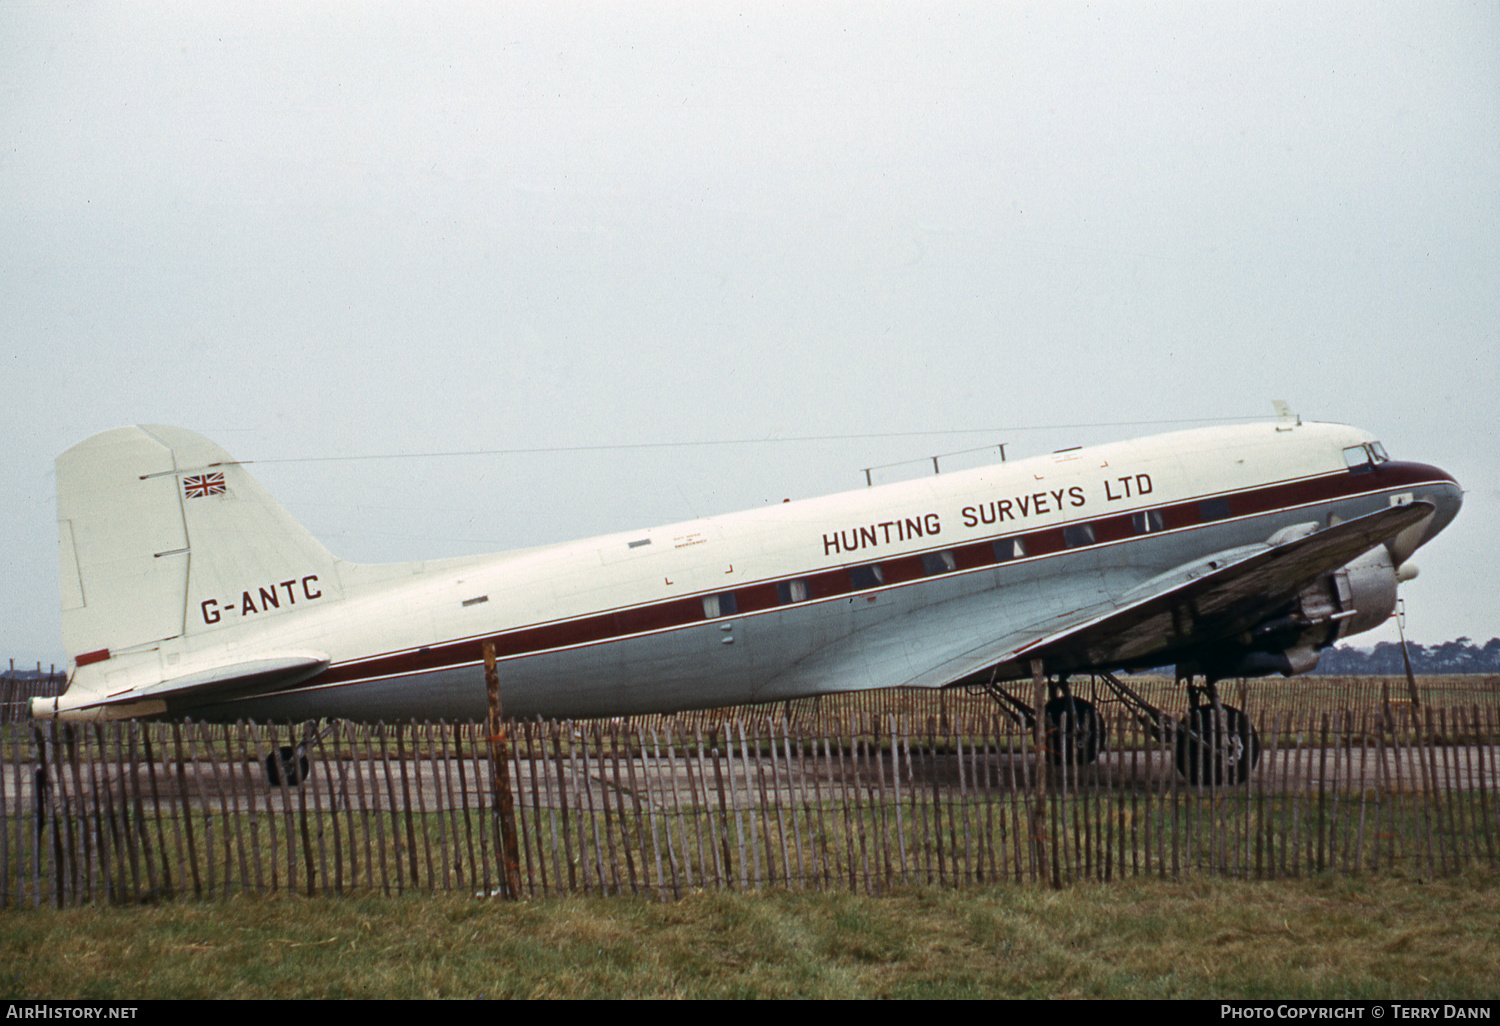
1430,484
1448,496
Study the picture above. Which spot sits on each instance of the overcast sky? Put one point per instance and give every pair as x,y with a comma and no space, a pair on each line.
354,229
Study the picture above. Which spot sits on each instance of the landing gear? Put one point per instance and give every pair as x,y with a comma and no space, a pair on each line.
1216,744
289,764
1085,728
1085,731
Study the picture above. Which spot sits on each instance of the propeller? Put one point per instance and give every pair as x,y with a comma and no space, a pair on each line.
1411,680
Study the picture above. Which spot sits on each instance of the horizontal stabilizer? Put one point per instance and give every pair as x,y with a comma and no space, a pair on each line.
178,693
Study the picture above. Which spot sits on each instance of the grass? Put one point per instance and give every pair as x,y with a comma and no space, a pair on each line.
1322,938
973,841
1395,936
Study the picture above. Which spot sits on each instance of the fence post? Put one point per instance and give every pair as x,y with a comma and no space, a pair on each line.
1039,750
500,778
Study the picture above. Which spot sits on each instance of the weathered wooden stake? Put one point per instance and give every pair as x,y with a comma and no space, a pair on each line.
1039,748
510,857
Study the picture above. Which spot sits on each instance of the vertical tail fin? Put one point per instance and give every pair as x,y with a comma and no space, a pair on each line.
163,535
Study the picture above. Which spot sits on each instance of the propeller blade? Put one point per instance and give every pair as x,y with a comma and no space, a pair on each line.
1411,680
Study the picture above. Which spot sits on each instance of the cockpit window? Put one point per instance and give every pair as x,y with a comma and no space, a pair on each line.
1378,451
1357,458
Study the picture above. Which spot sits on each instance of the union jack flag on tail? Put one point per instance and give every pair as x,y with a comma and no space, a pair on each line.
199,485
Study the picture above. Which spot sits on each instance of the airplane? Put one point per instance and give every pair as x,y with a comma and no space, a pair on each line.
1229,551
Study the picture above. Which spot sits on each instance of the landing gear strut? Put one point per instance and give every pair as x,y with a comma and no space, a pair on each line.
1085,728
1215,743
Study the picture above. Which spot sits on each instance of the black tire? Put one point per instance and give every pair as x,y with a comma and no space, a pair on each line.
1085,733
1214,752
289,763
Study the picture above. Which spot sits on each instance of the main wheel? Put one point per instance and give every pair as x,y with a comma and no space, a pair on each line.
286,763
1215,751
1085,731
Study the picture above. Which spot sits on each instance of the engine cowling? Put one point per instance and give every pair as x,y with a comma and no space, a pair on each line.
1366,590
1357,597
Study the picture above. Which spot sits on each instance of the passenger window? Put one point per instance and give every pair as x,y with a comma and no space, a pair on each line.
1147,522
867,576
1009,548
1075,535
791,591
1357,457
938,563
722,604
1213,509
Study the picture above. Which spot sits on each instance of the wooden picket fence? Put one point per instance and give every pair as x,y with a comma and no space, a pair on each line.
662,806
18,689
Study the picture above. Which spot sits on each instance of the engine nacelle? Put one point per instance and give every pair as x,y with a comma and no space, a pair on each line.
1357,597
1366,593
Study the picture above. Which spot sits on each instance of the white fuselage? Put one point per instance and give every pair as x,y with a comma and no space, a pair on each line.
879,587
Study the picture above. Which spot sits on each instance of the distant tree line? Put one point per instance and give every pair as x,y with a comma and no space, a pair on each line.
35,673
1460,656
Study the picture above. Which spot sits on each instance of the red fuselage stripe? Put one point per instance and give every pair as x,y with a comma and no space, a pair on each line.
758,597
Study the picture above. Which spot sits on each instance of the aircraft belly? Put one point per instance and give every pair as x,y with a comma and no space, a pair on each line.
686,668
455,693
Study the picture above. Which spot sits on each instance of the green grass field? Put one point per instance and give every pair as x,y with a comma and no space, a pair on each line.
1320,938
1398,935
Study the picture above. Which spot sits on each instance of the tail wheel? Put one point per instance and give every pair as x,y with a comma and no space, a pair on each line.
1213,750
1085,734
287,764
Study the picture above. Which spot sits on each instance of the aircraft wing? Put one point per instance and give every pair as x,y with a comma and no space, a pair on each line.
1215,597
1223,602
